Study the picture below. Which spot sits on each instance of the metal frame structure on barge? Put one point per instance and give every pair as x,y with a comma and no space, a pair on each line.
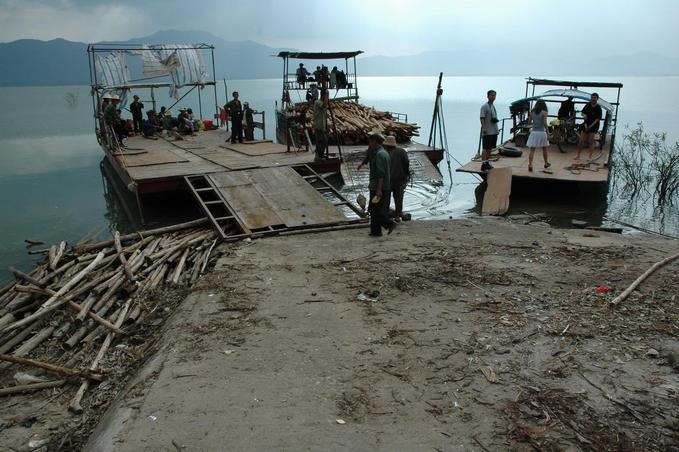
285,123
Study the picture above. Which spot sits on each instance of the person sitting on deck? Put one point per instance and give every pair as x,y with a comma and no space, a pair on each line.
150,125
185,126
168,122
113,120
312,93
566,109
302,74
285,98
104,103
592,114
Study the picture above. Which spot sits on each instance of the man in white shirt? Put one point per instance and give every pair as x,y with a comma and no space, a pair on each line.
489,130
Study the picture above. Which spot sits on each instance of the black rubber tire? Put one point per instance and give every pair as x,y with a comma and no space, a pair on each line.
560,142
573,137
510,152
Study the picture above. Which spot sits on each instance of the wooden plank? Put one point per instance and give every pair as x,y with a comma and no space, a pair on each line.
249,205
496,198
257,149
265,197
151,157
229,161
257,141
231,179
296,202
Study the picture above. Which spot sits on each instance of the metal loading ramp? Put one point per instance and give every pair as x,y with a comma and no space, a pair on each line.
270,200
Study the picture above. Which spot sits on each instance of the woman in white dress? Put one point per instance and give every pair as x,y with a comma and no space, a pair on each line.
538,133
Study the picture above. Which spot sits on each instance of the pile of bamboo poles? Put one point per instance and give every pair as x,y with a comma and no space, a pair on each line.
355,121
90,293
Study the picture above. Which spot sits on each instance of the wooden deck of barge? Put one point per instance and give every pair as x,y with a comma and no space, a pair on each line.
252,187
157,165
149,166
564,166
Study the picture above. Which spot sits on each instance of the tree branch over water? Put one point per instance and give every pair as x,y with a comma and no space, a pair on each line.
646,163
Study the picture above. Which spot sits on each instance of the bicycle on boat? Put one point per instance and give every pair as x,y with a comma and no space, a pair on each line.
564,131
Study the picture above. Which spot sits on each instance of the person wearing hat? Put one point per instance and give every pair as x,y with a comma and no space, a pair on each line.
399,169
235,109
184,123
302,74
379,185
112,117
137,109
320,125
168,122
105,101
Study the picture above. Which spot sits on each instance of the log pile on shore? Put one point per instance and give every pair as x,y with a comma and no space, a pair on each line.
79,300
355,121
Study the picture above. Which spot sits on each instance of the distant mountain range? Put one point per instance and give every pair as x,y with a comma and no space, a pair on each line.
30,62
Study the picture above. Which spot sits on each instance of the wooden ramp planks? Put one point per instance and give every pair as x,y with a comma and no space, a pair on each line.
297,202
496,197
274,198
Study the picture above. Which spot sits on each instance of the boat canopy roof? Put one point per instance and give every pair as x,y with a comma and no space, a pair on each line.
574,93
573,84
319,55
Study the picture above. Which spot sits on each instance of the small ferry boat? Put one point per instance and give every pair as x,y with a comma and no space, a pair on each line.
253,187
565,173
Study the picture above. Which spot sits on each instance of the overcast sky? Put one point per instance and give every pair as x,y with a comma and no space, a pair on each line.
567,28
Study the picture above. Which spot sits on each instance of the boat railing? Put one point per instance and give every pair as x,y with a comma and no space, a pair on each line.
502,129
290,83
400,117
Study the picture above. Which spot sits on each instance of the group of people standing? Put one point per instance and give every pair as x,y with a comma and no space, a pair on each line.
242,119
389,174
321,77
537,119
389,169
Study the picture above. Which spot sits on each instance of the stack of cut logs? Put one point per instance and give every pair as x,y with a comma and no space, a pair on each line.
355,121
78,299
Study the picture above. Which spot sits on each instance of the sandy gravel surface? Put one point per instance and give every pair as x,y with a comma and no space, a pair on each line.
485,335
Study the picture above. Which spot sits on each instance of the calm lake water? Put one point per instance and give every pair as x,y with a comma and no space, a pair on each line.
52,189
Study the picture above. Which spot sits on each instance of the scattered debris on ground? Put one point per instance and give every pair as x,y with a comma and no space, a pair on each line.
470,334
